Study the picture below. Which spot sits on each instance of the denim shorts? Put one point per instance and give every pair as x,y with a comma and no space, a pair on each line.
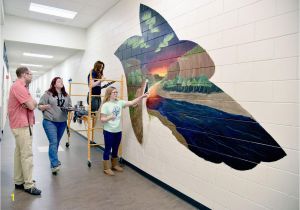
96,103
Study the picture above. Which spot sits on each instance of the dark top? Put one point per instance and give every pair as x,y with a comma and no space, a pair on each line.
97,89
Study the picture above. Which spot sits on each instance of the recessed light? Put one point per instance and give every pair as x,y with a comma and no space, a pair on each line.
52,11
37,55
29,64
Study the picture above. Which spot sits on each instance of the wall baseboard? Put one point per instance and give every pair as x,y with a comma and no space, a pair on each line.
157,181
165,186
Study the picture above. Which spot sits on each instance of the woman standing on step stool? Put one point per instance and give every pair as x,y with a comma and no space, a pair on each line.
111,112
97,74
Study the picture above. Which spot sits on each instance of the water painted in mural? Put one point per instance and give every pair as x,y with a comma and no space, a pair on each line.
200,115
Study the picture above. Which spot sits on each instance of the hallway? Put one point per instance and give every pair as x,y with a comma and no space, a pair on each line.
76,186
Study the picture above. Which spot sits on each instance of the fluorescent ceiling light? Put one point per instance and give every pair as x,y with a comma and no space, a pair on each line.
29,64
37,55
52,11
34,71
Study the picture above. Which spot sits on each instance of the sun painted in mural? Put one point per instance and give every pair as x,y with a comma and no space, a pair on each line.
200,115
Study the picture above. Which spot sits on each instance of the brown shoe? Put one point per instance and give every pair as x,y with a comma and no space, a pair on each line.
115,165
106,168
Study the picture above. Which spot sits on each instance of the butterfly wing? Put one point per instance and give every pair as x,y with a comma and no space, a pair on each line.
200,114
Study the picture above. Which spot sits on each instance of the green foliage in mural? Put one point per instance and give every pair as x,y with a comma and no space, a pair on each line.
195,50
146,16
135,42
200,84
150,22
131,95
165,42
135,78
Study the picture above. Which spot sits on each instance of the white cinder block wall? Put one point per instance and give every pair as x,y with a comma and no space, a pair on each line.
254,45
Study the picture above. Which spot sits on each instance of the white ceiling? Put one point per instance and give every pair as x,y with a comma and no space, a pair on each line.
88,12
15,55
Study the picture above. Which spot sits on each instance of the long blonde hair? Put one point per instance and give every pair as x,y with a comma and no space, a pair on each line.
108,93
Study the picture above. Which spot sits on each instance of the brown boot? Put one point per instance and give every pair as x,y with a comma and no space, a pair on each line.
106,168
115,165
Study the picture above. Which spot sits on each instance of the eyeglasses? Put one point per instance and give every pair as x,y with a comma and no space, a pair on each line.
28,73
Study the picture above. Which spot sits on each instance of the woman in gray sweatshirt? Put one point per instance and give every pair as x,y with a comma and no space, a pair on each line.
55,119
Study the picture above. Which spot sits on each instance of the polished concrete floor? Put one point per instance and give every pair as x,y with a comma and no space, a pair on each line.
78,187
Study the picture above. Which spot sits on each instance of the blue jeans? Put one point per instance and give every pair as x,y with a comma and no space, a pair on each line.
54,132
112,142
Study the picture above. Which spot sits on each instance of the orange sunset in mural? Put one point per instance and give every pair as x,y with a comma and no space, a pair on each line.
161,71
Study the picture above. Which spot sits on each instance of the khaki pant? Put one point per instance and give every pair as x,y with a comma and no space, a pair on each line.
23,159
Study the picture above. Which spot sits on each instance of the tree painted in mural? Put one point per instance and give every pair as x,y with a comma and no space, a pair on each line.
200,115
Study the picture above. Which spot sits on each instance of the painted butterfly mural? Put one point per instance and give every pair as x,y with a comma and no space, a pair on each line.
200,115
